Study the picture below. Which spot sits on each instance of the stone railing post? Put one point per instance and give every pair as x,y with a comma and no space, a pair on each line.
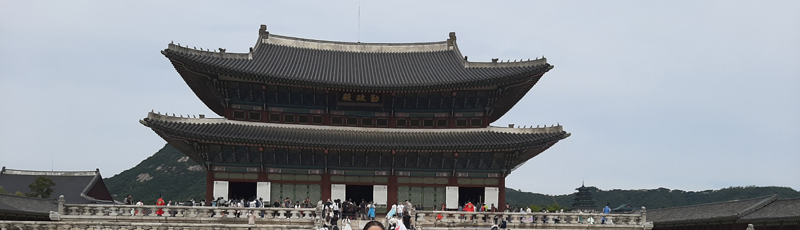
282,214
73,211
295,214
112,211
217,212
61,205
86,211
643,212
99,211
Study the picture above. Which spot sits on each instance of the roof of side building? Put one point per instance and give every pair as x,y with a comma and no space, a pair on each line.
781,209
78,187
728,210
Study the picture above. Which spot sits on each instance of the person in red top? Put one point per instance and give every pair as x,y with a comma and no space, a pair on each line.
160,202
469,207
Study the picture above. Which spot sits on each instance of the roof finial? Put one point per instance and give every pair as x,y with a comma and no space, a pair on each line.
262,31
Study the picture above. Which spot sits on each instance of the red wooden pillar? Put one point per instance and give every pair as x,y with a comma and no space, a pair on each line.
326,187
391,193
501,194
209,187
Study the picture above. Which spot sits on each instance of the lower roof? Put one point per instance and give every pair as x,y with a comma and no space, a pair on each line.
256,133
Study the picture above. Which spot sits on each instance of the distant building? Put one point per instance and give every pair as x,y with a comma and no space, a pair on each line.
78,187
625,208
584,200
768,213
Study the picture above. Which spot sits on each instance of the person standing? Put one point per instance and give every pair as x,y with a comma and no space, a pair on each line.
129,200
160,202
606,210
400,209
251,218
371,213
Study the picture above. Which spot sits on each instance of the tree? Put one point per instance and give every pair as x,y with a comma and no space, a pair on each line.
41,188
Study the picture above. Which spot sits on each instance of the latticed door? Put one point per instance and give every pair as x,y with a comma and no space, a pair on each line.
288,192
275,193
416,195
441,196
314,193
402,194
300,192
428,199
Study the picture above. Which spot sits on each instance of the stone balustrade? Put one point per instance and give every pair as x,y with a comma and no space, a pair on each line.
112,225
182,213
457,219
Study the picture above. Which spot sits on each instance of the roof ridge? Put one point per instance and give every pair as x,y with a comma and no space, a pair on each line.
357,43
7,171
357,47
208,52
757,206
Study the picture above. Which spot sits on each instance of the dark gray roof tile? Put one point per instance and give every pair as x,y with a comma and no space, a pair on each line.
220,129
364,66
729,210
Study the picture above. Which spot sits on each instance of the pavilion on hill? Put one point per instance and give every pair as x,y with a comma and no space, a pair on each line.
584,200
382,122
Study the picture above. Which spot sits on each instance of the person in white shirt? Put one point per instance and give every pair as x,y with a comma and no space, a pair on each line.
400,208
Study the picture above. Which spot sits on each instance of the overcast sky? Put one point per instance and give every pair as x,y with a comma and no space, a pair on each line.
690,95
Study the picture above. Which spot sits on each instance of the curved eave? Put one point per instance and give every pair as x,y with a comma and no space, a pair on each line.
265,134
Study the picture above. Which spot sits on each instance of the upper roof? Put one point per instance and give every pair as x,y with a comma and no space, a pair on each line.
78,187
359,66
257,133
729,210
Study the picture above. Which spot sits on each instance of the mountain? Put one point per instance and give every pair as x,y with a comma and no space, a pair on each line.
170,173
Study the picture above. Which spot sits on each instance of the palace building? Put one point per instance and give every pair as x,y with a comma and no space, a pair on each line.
382,122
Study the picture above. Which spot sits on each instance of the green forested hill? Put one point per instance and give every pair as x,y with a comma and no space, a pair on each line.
650,198
170,173
167,172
